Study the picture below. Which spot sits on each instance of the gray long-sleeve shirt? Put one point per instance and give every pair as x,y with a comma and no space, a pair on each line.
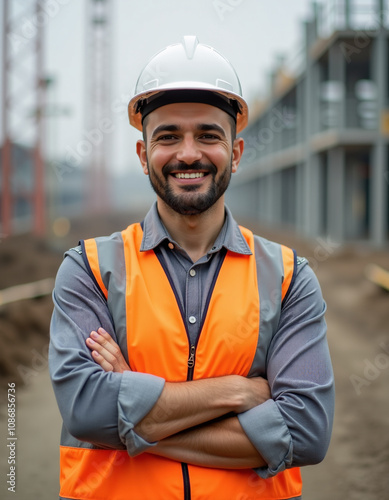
291,429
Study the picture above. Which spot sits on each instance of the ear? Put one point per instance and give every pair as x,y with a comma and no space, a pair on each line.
237,152
142,154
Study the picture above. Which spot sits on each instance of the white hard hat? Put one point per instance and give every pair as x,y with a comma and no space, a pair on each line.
188,67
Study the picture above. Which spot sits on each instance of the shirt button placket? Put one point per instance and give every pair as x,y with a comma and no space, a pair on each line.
193,304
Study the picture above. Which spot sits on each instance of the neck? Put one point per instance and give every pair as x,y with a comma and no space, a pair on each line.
196,234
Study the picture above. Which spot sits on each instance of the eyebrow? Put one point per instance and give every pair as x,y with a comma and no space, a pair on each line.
206,127
165,128
203,127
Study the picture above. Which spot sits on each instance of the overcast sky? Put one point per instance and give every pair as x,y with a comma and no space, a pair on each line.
250,33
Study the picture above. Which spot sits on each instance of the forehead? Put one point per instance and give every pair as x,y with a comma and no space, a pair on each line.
187,115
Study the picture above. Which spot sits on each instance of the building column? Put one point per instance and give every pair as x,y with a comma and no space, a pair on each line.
300,205
347,14
379,183
307,176
337,73
267,199
253,208
336,192
378,223
311,190
274,198
261,205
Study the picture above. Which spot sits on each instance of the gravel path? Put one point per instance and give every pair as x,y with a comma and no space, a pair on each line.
38,426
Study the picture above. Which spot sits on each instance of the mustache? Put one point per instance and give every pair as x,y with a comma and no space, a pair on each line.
197,165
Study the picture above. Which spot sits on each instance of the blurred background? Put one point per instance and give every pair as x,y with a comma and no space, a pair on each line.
314,176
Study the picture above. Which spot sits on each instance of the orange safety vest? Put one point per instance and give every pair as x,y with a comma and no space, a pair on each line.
153,331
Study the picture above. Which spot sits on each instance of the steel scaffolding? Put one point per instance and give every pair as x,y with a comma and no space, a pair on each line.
98,100
22,108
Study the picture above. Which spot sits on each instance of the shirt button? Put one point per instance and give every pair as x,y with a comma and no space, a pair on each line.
192,272
171,246
192,319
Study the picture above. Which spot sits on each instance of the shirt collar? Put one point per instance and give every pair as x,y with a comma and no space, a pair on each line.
230,236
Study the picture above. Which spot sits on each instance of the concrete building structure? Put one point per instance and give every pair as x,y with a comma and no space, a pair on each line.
316,156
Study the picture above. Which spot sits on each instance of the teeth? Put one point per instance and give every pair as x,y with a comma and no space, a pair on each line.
190,176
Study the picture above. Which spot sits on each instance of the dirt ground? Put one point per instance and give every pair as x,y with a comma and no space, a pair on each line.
357,464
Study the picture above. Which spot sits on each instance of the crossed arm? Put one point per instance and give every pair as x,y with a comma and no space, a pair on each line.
292,428
182,420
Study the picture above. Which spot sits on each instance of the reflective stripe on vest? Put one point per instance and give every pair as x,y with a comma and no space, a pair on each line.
151,333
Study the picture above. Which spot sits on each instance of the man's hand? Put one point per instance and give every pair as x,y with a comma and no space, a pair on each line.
106,352
183,405
250,392
254,391
174,420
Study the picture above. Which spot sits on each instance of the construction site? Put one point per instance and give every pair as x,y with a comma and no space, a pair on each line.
314,176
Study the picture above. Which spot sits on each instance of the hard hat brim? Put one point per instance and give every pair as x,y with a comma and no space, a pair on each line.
135,116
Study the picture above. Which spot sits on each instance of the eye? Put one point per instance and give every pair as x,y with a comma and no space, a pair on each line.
166,137
210,137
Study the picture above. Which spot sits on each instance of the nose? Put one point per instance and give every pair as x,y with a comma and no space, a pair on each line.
189,151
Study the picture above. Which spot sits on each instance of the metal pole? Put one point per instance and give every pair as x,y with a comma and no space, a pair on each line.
347,14
381,13
98,115
39,166
6,154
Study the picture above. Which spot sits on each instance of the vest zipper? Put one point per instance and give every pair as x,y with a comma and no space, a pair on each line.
184,467
191,362
185,475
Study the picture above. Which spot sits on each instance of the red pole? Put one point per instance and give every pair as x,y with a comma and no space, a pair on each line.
39,165
6,154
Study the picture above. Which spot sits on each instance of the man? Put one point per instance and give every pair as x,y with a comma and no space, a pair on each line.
188,356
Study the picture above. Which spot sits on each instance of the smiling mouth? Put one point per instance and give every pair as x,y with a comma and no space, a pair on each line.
195,175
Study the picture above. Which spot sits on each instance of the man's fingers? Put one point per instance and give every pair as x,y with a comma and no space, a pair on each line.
111,345
106,351
111,350
105,365
101,350
105,340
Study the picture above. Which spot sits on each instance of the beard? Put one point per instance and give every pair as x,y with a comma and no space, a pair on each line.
190,201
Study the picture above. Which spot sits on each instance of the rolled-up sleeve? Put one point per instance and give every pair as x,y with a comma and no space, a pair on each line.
294,427
98,407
